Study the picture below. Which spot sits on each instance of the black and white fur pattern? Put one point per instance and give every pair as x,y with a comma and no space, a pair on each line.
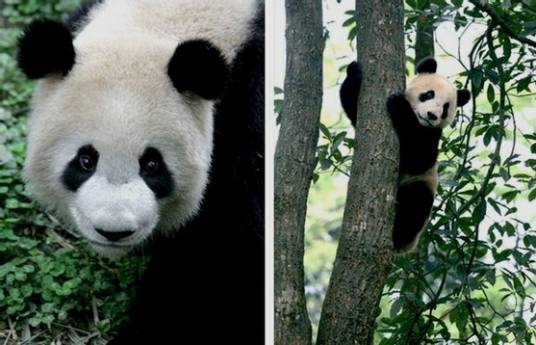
146,76
418,115
148,123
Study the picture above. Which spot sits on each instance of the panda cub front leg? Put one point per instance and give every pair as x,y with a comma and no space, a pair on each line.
401,114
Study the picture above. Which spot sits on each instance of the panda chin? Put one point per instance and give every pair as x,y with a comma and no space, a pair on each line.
110,250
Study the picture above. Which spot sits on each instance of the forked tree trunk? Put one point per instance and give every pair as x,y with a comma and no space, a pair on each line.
294,165
365,248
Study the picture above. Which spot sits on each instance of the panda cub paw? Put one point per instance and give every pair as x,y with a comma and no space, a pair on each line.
395,102
353,71
397,105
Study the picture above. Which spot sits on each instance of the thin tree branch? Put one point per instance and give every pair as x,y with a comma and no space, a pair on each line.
485,7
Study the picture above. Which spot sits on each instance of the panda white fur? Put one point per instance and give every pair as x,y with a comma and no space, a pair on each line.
147,129
418,115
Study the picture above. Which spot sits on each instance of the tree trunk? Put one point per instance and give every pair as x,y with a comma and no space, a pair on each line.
294,166
365,248
424,38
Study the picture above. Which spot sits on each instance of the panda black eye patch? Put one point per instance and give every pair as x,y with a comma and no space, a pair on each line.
445,110
155,173
80,168
425,96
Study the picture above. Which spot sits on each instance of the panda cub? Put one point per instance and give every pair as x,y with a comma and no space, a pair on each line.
147,135
418,115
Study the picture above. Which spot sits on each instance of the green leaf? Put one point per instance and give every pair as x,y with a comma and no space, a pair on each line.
532,195
325,164
348,22
509,229
491,93
511,195
325,131
477,77
523,84
480,211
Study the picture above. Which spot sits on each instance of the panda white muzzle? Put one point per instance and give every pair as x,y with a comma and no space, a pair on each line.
114,217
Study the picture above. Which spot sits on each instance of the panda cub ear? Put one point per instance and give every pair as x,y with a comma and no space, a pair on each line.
45,47
428,65
463,97
199,67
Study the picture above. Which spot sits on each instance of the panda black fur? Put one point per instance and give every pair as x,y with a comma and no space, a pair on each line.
418,115
166,99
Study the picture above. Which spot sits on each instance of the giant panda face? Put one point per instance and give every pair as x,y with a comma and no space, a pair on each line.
433,97
120,147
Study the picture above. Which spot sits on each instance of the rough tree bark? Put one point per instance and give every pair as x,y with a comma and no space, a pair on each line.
424,38
294,165
364,253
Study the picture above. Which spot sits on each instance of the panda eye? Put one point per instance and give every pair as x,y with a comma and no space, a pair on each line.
151,162
87,158
155,173
423,97
86,163
151,167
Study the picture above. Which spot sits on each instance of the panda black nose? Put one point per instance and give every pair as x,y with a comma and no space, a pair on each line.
114,236
432,116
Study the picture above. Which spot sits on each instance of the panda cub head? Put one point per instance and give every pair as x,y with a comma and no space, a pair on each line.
120,133
433,97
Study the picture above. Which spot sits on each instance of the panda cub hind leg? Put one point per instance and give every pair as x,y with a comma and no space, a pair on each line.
413,207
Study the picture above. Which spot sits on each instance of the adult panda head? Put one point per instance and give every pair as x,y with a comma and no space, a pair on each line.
433,97
120,134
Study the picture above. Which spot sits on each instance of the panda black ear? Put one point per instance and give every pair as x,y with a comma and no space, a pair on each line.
428,65
463,97
45,47
199,67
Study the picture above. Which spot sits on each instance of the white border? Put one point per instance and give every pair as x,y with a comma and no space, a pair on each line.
269,172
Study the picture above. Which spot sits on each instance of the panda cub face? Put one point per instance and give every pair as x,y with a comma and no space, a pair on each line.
433,97
120,142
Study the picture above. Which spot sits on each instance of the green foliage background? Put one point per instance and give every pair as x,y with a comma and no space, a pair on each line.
52,288
472,278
